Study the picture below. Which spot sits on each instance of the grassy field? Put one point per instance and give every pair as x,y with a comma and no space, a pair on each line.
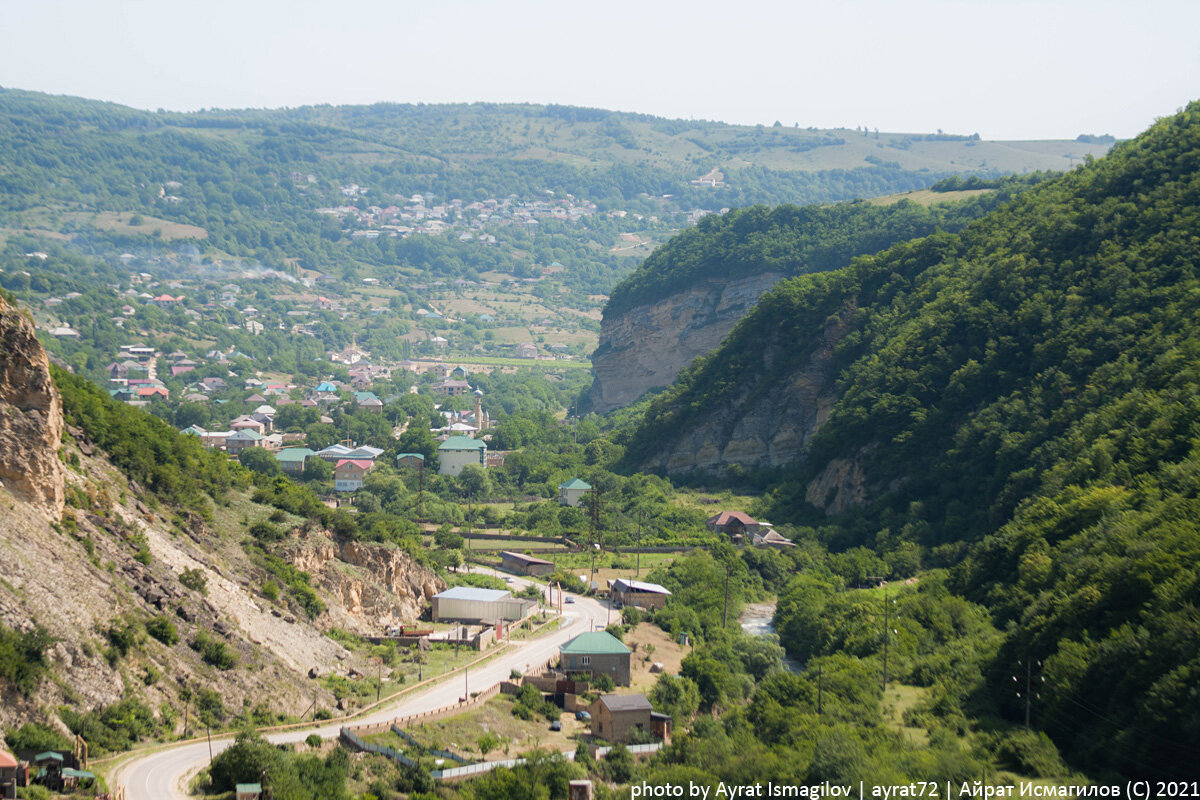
899,699
925,197
122,222
545,366
461,734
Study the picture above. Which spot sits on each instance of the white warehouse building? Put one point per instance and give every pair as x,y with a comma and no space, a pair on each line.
487,606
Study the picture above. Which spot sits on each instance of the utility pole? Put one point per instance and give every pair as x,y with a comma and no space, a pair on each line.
421,491
210,755
594,517
725,612
886,637
185,715
820,689
887,634
640,515
378,678
1029,692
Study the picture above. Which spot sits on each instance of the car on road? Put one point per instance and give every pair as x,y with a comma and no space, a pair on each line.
583,716
556,726
570,599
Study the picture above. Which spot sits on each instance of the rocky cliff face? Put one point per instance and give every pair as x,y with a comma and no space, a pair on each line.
646,347
372,586
31,420
761,428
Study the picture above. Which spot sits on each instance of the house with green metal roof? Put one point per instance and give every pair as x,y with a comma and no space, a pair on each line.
291,459
415,460
571,493
247,791
595,654
459,451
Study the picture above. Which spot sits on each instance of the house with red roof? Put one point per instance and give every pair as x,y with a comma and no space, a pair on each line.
734,524
348,474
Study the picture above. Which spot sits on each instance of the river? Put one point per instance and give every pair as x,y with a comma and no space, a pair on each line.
758,619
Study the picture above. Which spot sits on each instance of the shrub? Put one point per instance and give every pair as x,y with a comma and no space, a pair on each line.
214,651
32,736
194,579
23,657
163,629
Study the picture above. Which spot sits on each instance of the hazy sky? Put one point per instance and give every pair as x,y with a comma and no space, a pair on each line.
1003,68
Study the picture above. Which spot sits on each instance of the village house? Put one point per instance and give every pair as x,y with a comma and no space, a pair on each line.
459,451
239,440
413,460
734,524
571,493
597,653
292,459
348,474
622,717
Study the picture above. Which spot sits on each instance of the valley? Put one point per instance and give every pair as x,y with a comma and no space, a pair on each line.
470,419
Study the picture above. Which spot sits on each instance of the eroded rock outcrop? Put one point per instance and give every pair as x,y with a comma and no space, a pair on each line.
645,347
757,428
372,586
31,421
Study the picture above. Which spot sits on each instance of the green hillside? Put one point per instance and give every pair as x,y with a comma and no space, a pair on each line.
1019,403
250,183
797,240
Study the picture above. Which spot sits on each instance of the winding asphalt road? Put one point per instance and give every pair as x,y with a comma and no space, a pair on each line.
164,774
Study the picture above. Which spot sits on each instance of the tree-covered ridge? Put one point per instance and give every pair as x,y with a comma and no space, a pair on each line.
252,179
793,240
1021,399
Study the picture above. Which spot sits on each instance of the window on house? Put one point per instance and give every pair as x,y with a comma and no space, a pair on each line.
586,661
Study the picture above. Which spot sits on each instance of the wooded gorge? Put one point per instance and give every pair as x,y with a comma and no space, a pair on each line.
1018,403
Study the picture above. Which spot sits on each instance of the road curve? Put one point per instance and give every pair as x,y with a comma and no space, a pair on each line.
162,774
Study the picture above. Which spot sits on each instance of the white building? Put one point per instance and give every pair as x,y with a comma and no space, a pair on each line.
486,606
459,451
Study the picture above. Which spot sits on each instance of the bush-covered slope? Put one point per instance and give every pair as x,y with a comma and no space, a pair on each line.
1020,399
793,240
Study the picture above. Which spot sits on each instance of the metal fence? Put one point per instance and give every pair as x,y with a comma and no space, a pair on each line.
355,741
406,736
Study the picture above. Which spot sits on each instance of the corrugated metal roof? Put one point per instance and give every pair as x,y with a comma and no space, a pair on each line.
524,558
639,586
625,702
294,454
473,593
595,643
574,483
462,443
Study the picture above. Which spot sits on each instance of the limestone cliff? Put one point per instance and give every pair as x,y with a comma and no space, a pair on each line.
372,586
753,428
31,420
645,347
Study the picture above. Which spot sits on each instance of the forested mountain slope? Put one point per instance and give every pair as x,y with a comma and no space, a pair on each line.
1018,401
683,300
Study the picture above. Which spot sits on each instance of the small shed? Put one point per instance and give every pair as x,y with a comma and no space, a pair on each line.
248,791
